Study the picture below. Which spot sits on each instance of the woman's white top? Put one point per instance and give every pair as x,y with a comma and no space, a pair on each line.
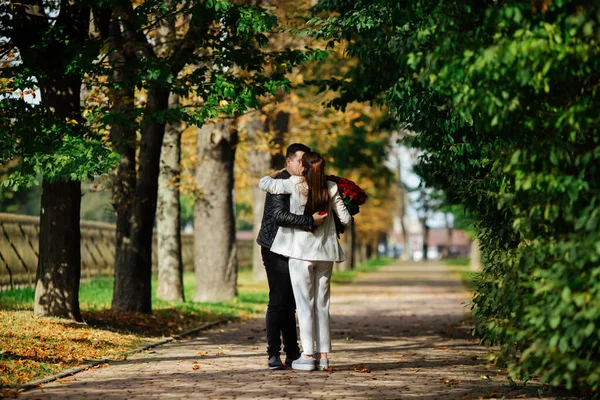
320,245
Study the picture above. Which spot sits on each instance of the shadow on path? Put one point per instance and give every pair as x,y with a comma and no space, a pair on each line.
400,333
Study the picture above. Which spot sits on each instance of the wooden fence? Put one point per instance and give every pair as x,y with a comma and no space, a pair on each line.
19,236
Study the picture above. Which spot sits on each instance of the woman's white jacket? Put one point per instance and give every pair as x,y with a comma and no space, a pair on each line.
320,245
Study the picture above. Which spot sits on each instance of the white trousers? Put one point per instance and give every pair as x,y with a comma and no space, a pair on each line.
311,284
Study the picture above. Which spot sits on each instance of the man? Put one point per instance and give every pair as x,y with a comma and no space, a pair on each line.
281,318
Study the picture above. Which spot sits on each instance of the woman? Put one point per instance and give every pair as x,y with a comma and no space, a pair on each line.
311,254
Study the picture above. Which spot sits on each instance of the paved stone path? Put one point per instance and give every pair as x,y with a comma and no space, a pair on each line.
400,333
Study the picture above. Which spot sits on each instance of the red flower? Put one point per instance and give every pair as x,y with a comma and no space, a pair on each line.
352,194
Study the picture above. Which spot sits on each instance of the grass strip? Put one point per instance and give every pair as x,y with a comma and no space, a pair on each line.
462,267
373,264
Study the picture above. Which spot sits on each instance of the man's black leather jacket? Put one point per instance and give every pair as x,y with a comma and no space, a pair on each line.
277,213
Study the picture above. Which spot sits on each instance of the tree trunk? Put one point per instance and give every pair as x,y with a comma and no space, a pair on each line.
59,263
346,242
353,245
259,162
425,238
168,219
449,230
258,269
214,221
123,139
133,264
406,250
363,253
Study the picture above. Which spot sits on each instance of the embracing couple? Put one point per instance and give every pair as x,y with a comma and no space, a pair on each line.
299,246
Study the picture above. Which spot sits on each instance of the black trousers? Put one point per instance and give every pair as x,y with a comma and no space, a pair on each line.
281,311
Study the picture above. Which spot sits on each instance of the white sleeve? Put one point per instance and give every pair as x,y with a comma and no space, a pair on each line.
276,186
338,206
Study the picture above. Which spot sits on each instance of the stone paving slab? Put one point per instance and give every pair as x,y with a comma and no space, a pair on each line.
399,333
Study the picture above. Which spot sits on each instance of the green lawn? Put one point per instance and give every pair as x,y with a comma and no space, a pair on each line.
462,267
342,277
96,295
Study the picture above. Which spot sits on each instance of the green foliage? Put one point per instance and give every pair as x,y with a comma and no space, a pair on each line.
220,66
46,144
504,97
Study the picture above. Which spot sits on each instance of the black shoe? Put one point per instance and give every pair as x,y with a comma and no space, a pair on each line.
275,363
290,359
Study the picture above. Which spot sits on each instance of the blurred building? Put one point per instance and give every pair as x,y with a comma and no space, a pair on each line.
442,242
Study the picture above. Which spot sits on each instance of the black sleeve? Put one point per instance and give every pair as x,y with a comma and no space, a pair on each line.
283,216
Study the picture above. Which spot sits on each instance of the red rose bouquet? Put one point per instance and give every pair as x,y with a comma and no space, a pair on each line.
352,195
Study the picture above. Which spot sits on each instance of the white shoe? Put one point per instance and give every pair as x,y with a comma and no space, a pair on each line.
323,364
304,364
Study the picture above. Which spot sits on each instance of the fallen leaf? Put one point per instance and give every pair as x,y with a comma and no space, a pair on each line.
203,352
373,387
440,347
362,369
450,382
195,367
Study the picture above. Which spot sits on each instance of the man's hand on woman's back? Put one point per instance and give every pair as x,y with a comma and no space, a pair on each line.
318,219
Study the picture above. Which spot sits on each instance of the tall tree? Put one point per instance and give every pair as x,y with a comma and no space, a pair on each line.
168,219
219,46
214,220
259,156
48,48
264,136
123,137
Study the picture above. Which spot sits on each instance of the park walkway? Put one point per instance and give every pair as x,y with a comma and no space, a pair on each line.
399,333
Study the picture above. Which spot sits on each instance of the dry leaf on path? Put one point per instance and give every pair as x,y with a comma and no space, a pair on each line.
362,369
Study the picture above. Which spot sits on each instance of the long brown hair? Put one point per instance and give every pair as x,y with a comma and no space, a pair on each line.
314,174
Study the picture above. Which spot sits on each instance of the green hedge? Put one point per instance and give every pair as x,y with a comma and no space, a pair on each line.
504,98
